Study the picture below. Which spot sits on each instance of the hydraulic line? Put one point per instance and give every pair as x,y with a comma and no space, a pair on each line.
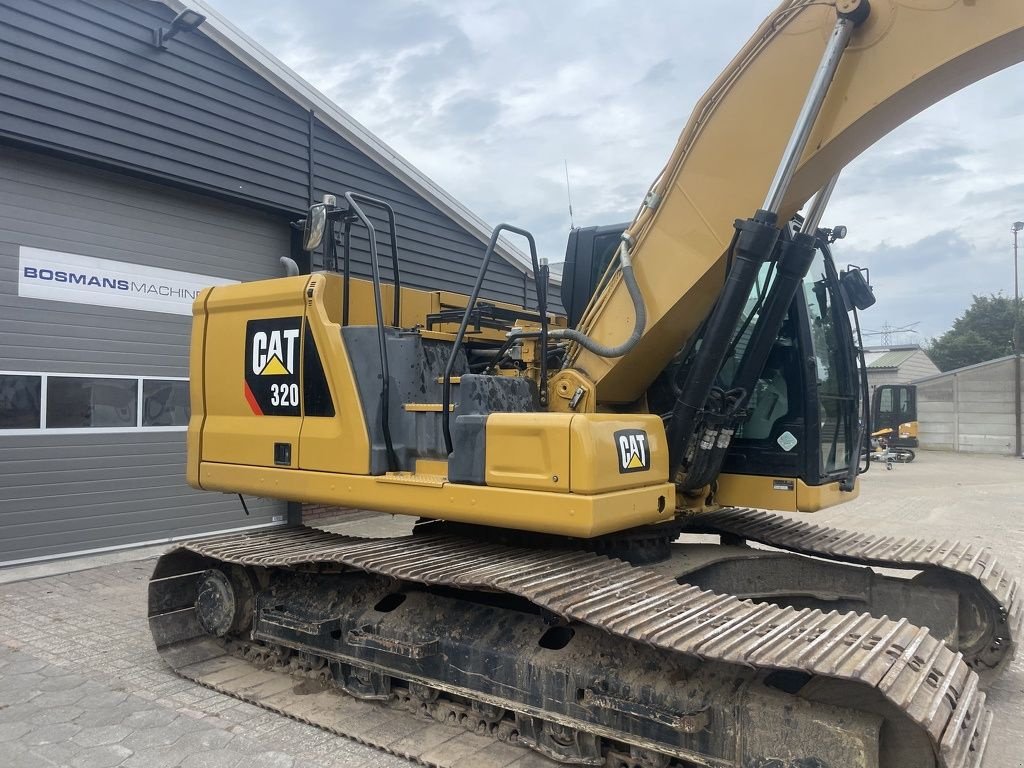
756,241
639,309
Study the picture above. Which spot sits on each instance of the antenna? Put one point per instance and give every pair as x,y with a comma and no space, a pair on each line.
568,193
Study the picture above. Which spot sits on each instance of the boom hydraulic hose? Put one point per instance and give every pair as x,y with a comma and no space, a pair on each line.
639,312
702,424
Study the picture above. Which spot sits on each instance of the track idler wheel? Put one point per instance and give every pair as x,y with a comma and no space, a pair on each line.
559,742
488,715
224,600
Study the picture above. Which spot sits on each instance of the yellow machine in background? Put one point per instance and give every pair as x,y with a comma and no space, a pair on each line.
543,596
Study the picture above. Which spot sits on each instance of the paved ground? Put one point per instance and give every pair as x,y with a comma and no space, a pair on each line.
80,684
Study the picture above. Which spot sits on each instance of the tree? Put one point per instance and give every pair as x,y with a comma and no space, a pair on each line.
983,332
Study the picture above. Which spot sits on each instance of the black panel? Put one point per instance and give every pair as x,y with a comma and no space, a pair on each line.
587,255
316,395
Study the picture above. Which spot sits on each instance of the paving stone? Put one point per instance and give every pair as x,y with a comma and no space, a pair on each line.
21,757
102,734
155,757
107,756
150,718
102,716
50,734
159,736
13,731
270,760
14,695
66,697
55,715
204,739
26,665
217,758
60,753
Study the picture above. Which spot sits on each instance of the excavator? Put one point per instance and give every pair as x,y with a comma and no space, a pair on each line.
894,420
610,560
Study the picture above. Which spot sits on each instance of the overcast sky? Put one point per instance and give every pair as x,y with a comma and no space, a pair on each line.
490,97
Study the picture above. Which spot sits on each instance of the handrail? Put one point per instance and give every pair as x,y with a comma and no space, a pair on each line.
538,274
352,197
379,309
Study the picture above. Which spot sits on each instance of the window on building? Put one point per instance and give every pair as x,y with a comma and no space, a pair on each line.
73,402
165,403
20,401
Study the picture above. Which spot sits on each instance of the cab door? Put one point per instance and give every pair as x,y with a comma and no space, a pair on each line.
892,405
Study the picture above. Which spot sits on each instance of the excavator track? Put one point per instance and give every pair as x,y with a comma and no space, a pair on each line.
917,675
993,605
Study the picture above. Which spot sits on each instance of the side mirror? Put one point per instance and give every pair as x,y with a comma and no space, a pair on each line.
856,290
313,229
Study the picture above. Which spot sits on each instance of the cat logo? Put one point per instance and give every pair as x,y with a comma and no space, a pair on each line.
634,450
274,352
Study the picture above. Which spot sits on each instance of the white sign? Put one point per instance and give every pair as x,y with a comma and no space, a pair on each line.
57,276
787,441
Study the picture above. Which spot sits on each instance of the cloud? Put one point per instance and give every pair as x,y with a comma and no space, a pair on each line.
490,98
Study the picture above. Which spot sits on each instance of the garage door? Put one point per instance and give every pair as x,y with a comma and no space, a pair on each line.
93,384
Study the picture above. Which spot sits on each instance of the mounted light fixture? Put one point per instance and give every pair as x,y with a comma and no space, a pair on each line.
184,21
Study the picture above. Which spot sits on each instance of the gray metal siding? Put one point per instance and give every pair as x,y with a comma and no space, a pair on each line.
67,493
83,77
74,493
48,203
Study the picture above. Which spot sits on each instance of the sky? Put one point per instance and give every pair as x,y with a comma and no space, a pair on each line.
492,98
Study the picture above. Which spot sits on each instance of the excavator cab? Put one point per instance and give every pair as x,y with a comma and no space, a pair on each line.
894,414
804,415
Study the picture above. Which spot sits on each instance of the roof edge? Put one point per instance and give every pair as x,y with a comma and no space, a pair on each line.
964,369
223,32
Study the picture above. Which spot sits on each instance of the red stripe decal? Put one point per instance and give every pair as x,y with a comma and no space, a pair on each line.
251,398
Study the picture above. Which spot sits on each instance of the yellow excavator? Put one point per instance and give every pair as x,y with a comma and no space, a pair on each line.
552,595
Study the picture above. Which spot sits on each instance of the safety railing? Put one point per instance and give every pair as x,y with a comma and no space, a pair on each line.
540,283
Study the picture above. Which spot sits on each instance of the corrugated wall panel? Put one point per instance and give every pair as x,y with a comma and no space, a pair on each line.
84,78
48,203
67,493
105,491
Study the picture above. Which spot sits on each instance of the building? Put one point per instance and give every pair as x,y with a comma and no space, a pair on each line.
897,364
131,175
971,409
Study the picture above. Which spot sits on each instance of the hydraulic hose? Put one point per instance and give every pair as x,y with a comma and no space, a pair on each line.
639,311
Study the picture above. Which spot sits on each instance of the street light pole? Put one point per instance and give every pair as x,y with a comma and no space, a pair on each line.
1015,228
